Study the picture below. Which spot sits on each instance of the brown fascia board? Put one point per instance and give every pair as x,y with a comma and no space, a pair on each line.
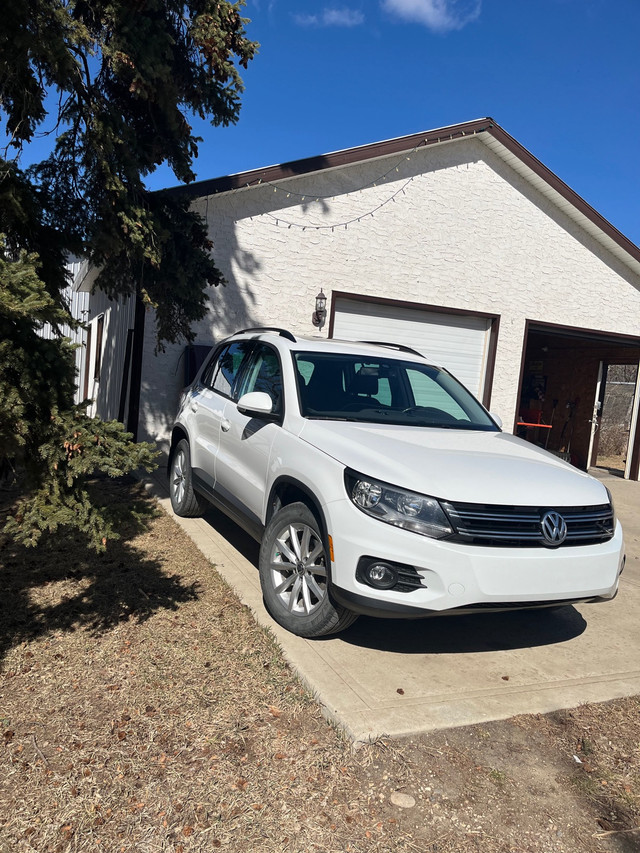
295,168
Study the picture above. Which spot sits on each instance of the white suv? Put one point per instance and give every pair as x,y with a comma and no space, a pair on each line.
378,484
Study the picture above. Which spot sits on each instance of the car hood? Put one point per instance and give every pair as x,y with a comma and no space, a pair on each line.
457,465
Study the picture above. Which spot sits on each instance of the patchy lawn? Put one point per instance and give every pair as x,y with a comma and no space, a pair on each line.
141,708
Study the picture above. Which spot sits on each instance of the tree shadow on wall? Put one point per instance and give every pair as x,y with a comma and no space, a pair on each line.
232,306
250,295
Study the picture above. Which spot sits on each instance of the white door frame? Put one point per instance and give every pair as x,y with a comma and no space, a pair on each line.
595,415
633,427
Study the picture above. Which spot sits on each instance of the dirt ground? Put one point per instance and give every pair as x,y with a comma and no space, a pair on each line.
141,708
615,464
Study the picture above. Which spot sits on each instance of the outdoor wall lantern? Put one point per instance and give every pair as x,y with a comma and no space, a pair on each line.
319,316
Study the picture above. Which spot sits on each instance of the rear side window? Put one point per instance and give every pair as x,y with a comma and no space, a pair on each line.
305,369
369,380
225,369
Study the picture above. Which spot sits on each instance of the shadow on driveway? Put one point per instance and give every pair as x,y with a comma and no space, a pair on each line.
234,535
478,632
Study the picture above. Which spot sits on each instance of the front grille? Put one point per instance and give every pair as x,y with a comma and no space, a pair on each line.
520,526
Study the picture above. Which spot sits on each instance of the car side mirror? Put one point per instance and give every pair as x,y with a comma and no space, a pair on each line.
497,419
256,403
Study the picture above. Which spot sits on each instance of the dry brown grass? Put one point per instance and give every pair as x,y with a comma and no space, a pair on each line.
142,708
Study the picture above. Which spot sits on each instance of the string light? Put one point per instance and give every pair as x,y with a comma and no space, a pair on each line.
333,225
394,168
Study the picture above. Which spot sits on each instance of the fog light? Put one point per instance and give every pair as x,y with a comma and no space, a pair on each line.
385,574
381,575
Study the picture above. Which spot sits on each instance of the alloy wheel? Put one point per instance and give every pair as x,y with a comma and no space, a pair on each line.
178,476
298,568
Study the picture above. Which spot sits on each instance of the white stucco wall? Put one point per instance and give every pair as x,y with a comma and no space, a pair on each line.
452,225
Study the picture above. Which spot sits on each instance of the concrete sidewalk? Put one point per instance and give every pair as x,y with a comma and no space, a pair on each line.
394,677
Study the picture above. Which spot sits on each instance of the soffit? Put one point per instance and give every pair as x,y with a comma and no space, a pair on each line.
565,200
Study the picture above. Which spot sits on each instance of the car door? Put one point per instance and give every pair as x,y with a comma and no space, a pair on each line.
245,442
207,405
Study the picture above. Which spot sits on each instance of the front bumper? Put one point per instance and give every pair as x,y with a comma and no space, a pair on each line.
465,577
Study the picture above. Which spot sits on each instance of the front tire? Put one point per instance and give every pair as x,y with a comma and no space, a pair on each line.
185,502
294,575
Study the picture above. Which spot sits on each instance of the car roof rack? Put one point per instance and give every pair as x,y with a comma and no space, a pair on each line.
400,347
284,333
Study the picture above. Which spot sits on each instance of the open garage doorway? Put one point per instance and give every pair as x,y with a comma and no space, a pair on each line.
612,416
578,397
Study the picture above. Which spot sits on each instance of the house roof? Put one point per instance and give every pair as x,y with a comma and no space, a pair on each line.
487,131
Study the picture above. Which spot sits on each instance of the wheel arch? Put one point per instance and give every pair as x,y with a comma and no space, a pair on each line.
177,434
287,490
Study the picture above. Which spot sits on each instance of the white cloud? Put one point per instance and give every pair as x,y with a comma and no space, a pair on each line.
258,4
307,20
438,15
342,17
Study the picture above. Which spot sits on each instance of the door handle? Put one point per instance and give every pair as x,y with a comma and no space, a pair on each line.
194,407
225,425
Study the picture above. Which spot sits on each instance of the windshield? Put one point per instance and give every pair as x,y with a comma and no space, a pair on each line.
384,390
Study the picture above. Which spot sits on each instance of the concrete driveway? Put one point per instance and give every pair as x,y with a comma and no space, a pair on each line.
394,677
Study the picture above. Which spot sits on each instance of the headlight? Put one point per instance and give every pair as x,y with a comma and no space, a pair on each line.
417,513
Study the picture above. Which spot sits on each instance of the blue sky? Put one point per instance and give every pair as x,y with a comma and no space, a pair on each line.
562,76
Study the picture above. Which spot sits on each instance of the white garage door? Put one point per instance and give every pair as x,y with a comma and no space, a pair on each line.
458,342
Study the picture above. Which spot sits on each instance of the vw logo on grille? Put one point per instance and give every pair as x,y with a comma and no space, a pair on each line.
554,528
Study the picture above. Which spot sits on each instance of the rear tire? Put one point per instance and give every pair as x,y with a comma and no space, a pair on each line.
185,502
294,575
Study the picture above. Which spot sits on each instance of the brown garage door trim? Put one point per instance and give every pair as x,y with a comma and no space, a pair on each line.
435,309
586,334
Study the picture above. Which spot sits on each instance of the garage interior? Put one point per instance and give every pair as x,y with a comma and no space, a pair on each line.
571,378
